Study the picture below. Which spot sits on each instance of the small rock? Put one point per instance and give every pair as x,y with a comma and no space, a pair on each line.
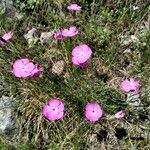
45,36
135,7
126,40
3,84
133,99
134,38
128,50
10,10
7,8
8,124
2,6
31,37
31,33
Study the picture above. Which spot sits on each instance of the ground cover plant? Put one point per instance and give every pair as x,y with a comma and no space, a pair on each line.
77,73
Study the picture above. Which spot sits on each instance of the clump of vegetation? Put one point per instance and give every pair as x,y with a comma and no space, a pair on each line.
25,5
87,50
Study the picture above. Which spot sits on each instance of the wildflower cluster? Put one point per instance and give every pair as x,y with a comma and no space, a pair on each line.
54,109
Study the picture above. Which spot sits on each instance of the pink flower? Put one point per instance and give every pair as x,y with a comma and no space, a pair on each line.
93,111
74,7
58,36
54,110
119,114
25,68
72,31
7,36
130,85
81,54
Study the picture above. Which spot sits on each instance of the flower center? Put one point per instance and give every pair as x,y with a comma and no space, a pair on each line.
81,55
93,111
53,109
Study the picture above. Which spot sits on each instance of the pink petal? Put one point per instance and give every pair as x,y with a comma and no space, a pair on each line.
45,110
72,31
65,32
20,62
24,60
120,114
53,117
74,7
48,113
58,36
125,85
80,58
17,73
91,117
60,115
19,68
86,49
29,67
20,73
7,36
84,65
75,61
36,71
89,107
56,103
53,102
134,85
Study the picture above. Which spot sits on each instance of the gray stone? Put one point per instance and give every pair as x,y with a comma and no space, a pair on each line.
31,37
2,6
8,121
7,8
133,99
3,84
45,36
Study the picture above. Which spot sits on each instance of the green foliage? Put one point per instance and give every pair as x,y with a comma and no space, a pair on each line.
25,5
